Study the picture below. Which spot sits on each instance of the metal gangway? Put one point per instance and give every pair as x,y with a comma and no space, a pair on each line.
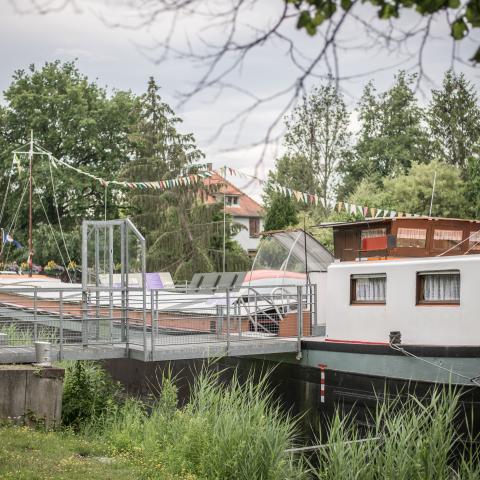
114,313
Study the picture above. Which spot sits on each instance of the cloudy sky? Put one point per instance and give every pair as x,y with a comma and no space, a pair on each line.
124,57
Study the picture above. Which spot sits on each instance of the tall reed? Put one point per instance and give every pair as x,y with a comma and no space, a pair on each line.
413,439
234,431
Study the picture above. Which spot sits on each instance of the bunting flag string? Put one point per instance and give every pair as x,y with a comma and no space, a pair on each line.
313,199
194,178
184,180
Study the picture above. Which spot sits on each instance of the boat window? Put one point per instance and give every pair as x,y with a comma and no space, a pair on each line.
474,241
438,287
411,237
447,239
369,288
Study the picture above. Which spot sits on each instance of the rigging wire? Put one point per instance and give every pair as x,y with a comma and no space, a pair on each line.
52,230
449,370
6,191
58,217
13,224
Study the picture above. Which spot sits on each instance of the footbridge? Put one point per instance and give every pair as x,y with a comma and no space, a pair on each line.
115,313
102,323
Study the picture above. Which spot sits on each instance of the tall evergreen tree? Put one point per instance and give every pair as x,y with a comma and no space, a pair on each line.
183,235
454,120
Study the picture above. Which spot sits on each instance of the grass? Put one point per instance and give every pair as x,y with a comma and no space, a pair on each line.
28,454
234,431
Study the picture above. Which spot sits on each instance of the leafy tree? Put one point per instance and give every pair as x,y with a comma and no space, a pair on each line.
317,139
183,235
412,192
472,183
454,120
391,137
77,121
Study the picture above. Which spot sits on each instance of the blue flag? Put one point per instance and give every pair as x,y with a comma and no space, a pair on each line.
7,238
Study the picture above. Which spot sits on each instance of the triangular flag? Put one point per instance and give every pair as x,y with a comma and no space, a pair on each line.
365,211
339,206
347,207
353,209
373,211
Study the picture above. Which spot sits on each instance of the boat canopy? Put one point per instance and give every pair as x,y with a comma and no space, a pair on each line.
292,251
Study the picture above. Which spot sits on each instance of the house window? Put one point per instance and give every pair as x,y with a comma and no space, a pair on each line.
254,227
447,239
411,237
369,288
438,287
232,200
474,241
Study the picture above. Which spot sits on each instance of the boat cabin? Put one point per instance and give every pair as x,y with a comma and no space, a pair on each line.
384,238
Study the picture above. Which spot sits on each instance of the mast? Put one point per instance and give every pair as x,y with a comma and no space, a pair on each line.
30,243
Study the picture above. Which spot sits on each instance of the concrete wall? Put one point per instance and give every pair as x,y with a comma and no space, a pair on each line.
418,324
31,394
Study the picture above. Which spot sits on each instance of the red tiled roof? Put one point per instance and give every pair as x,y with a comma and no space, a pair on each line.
247,207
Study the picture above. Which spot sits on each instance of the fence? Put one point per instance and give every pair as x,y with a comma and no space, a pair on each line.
150,320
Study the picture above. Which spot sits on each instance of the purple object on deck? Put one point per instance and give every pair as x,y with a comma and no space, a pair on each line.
154,281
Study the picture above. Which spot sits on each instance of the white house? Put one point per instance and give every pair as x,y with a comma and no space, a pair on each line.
243,209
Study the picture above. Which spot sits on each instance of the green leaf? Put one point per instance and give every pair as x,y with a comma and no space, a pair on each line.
473,13
459,29
453,3
304,19
387,11
346,4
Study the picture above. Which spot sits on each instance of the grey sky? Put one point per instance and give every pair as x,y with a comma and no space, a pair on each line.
113,57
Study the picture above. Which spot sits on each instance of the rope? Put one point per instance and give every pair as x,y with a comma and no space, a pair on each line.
11,229
53,232
58,217
409,354
457,244
6,191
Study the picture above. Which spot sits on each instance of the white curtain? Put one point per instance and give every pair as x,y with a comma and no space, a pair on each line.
443,287
370,289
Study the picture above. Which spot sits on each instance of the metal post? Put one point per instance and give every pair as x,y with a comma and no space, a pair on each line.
84,283
299,320
144,299
30,199
125,306
122,281
227,293
96,271
110,279
35,326
61,325
152,329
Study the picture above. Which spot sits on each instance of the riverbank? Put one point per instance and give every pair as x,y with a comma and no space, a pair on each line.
232,429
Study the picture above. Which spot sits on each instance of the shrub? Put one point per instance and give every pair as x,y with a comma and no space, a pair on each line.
88,394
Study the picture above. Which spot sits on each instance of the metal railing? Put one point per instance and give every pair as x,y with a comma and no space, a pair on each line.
155,319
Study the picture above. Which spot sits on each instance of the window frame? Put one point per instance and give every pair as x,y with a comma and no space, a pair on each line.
473,246
400,238
255,220
456,247
353,289
420,288
230,203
